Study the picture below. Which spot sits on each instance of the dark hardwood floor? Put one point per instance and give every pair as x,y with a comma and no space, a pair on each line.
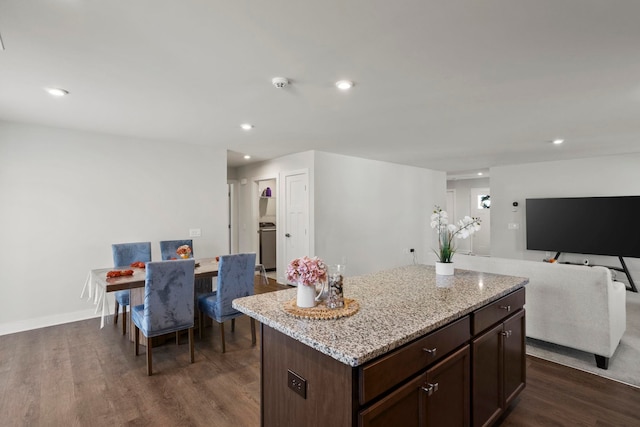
79,375
559,396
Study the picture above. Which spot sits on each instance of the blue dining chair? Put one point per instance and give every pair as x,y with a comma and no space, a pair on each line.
236,274
168,303
124,254
168,251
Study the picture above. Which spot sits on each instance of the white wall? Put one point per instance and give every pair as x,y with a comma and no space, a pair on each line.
367,211
601,176
66,196
370,211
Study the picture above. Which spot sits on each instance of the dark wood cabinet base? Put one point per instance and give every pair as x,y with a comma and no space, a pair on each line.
449,376
330,389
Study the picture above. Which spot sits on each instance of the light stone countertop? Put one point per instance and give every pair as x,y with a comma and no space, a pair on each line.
396,306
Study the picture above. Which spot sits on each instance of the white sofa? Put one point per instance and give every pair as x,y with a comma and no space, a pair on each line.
570,305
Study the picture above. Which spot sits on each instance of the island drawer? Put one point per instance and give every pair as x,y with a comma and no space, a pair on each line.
390,370
496,311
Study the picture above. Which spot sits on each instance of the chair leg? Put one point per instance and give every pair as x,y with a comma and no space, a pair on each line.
177,338
124,320
200,324
253,331
149,363
137,340
233,325
222,335
191,348
115,316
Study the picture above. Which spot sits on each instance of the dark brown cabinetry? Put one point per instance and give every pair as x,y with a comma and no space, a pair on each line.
383,374
438,397
466,372
498,358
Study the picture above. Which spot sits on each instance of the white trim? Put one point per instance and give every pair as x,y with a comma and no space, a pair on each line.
45,321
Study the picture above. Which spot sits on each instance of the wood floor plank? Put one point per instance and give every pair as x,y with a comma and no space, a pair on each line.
77,374
559,396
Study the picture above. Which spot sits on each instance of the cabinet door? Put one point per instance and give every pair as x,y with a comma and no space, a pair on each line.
514,356
403,407
487,362
448,405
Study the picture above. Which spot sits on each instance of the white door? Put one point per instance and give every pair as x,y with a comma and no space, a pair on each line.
295,230
479,207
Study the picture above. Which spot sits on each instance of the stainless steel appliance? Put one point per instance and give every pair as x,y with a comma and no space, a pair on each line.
267,233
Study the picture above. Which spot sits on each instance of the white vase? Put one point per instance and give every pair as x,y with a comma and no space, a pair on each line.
444,268
306,296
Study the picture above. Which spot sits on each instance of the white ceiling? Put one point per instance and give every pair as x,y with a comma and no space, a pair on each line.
448,85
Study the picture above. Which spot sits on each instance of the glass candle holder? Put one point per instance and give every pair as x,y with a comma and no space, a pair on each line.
335,277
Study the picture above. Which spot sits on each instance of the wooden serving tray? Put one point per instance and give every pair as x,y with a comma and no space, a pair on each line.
321,311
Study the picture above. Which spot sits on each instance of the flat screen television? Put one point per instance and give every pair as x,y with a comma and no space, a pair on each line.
585,225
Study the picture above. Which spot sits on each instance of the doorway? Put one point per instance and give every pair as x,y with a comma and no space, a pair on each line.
480,204
266,223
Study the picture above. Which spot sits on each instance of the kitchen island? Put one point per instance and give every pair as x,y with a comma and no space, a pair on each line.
422,350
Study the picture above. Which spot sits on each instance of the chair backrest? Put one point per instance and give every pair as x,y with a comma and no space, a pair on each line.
168,248
168,296
236,274
124,254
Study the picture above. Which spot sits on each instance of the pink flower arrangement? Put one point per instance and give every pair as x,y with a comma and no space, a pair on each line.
307,271
184,251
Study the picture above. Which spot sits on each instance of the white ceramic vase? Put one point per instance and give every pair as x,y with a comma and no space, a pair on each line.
306,297
444,268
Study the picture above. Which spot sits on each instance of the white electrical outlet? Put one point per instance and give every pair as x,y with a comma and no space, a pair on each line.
513,226
195,232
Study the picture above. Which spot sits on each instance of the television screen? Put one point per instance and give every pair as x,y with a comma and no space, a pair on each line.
585,225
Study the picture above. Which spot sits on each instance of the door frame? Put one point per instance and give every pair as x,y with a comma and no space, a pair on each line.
232,188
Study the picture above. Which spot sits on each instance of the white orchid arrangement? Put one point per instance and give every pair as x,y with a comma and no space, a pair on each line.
447,232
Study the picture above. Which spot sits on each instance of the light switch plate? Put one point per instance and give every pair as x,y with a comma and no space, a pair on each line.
195,232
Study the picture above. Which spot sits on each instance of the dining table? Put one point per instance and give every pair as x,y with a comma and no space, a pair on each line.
98,285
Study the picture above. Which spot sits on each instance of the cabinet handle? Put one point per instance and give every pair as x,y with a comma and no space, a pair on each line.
506,307
430,388
431,351
287,235
506,334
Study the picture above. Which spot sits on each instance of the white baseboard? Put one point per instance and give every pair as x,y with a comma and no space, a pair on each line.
43,322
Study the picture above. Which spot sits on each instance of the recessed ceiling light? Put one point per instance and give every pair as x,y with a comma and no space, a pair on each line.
246,156
344,84
246,126
558,141
480,174
55,91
